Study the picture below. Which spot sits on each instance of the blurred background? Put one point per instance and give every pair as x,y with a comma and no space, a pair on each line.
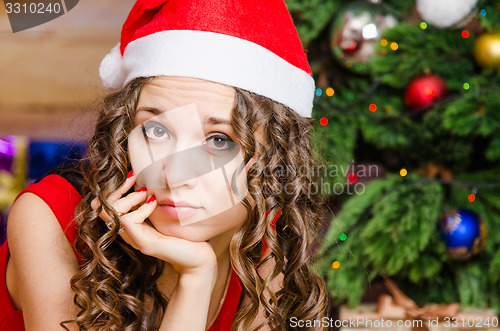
50,89
408,117
407,112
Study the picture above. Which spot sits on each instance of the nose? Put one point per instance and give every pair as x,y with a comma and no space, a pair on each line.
183,166
177,168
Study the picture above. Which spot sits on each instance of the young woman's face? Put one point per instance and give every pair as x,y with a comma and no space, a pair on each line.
184,151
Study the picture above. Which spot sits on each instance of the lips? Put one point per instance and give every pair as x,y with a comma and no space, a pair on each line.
177,209
170,202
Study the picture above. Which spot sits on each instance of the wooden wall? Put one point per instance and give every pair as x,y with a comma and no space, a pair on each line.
49,82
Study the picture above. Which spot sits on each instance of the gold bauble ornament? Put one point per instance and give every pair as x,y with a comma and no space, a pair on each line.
487,50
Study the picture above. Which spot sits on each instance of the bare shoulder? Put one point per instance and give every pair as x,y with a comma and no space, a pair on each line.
32,225
43,262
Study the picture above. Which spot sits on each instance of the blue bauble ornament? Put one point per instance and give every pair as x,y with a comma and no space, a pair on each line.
464,233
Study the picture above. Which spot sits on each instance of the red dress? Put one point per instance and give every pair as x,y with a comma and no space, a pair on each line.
62,198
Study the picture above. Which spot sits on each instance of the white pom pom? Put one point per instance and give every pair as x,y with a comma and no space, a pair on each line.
111,70
444,13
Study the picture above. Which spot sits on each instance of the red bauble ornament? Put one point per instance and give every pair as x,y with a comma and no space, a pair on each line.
423,91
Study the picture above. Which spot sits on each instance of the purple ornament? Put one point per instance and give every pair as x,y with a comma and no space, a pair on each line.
7,152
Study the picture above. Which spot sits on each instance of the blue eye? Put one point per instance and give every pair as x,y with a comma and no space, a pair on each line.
220,143
155,131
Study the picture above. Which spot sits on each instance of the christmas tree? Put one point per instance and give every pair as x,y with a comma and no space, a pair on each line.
408,123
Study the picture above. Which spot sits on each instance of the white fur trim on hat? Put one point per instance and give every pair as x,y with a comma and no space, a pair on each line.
111,70
215,57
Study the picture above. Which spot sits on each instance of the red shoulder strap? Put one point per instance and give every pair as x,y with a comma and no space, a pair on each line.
273,224
230,306
231,303
62,198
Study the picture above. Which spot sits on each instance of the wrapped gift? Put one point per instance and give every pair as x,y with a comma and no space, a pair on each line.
365,317
398,312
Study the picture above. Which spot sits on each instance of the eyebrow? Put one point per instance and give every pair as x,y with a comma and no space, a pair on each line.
207,120
152,110
215,120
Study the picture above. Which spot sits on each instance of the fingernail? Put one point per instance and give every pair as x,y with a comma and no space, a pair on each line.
130,173
153,198
142,189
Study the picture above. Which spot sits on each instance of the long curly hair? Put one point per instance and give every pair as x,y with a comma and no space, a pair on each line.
116,286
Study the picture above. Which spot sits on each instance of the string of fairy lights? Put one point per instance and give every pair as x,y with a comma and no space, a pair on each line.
371,108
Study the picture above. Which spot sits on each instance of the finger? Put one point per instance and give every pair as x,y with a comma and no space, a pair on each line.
129,182
125,204
135,230
95,203
145,238
140,214
142,235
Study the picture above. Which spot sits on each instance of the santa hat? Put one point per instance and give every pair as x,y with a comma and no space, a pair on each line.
252,45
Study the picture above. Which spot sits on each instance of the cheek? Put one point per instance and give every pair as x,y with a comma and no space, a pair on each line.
137,146
239,214
215,188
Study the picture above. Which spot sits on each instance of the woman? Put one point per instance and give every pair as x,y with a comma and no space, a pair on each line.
195,210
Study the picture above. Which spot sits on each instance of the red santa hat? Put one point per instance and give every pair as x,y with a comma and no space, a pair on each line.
252,45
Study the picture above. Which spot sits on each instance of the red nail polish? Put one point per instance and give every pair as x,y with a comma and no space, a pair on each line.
153,198
142,189
130,173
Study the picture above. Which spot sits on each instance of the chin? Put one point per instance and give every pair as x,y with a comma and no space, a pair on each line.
197,232
182,232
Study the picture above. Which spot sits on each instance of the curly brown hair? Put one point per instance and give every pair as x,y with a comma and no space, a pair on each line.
116,286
